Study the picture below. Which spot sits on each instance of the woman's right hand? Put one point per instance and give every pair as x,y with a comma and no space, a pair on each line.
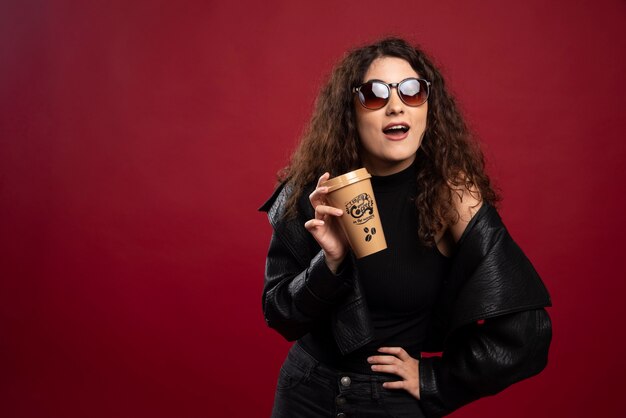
325,226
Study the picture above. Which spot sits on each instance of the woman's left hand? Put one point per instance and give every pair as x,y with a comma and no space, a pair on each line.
399,363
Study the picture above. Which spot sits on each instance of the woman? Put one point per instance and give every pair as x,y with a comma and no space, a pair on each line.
451,280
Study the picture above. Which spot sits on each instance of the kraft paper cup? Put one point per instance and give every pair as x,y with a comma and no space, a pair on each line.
352,192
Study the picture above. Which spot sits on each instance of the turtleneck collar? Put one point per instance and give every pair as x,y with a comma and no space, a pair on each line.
382,183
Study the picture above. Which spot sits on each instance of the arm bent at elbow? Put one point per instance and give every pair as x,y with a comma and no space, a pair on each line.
482,360
295,297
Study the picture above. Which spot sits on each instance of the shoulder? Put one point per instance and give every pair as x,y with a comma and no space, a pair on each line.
278,196
467,201
276,205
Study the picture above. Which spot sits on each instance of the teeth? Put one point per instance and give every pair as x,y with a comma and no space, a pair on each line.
401,128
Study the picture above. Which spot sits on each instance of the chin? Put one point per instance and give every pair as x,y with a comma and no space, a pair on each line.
401,157
398,161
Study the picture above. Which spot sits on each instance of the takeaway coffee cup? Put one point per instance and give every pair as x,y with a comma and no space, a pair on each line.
352,192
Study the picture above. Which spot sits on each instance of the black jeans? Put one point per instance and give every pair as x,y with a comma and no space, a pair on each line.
308,389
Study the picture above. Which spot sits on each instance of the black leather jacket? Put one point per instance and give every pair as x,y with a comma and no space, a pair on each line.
490,323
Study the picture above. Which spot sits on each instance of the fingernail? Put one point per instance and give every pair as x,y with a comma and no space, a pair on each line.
339,212
369,359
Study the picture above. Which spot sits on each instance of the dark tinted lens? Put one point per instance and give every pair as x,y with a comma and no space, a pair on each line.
373,95
413,92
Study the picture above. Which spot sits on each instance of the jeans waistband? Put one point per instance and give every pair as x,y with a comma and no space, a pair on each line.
347,380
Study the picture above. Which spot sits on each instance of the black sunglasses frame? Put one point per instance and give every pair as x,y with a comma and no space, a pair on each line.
356,90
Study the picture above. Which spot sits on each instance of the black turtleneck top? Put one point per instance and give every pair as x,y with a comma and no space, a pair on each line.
401,283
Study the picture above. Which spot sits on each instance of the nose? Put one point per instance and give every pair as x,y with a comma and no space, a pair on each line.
394,105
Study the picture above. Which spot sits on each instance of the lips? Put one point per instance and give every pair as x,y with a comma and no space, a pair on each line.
396,130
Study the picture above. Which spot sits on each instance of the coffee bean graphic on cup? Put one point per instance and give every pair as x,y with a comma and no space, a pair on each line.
369,233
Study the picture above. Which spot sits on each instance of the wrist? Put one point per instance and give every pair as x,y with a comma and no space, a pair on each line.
333,263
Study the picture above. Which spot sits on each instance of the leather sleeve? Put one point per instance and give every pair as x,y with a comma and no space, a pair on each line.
296,296
482,360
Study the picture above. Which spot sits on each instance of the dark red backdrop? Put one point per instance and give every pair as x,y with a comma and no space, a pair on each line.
137,138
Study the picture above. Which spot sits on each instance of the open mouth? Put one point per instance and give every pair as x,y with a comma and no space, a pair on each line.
396,129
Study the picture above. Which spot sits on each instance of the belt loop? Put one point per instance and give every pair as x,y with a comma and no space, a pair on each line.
374,382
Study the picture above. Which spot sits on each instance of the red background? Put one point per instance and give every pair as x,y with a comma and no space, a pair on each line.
137,139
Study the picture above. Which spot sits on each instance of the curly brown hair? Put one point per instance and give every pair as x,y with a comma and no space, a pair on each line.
448,160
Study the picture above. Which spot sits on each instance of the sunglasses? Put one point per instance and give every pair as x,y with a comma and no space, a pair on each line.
375,94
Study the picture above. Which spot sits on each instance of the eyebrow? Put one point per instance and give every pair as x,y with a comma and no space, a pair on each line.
382,81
